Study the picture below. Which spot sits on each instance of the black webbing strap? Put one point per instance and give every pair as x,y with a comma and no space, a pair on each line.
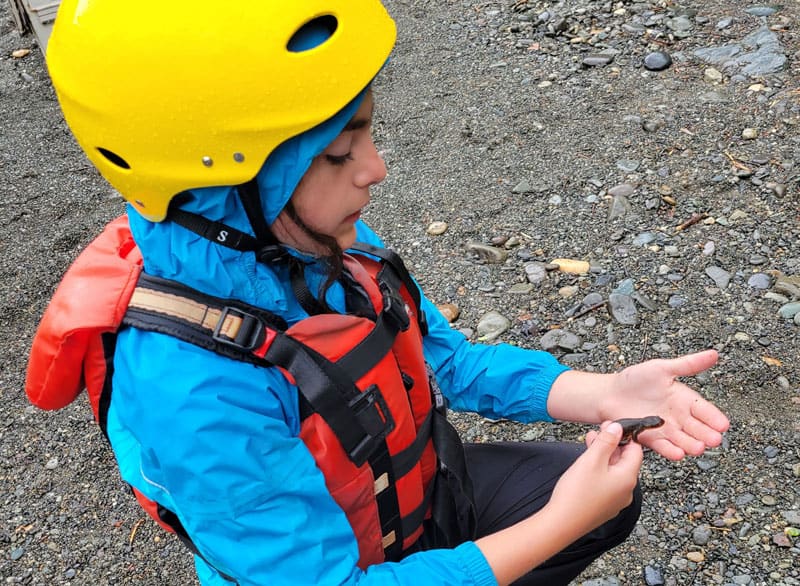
225,326
171,519
360,420
453,506
392,320
297,277
399,266
404,461
215,231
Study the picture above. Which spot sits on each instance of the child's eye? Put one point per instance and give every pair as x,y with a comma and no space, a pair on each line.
339,159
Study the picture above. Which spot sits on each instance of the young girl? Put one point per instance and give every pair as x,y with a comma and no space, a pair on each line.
290,432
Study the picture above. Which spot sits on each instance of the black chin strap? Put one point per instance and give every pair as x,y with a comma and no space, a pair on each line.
264,244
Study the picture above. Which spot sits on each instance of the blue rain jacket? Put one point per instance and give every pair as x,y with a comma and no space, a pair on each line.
216,440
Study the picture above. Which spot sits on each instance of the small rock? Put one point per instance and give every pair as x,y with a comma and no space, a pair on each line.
491,326
712,75
701,535
653,576
695,556
535,272
559,338
749,133
450,311
571,266
490,254
657,61
720,276
623,309
437,228
759,281
620,206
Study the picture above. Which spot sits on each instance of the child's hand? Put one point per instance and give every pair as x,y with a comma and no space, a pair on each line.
601,481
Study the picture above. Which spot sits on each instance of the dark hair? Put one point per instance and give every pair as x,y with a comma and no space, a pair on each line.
333,252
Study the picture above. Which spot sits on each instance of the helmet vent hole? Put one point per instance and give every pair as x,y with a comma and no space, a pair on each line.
313,34
113,158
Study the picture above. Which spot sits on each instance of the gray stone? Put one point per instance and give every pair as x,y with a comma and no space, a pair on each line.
759,281
792,517
620,206
701,535
657,61
623,189
628,165
720,276
761,10
623,309
653,576
559,338
491,326
535,272
789,310
490,254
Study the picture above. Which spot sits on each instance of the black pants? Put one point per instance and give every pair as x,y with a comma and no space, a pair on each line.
512,481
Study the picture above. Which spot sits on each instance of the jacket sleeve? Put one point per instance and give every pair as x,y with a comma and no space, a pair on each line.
216,441
495,381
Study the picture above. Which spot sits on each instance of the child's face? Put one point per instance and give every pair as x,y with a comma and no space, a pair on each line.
334,190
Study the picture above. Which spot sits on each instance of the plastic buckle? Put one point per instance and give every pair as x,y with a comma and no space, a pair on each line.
250,331
372,412
394,306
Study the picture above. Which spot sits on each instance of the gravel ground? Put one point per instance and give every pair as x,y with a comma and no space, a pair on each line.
516,132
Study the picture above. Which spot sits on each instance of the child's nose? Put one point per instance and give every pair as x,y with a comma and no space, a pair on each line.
373,170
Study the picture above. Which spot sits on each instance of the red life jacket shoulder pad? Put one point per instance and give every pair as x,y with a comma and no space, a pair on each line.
91,300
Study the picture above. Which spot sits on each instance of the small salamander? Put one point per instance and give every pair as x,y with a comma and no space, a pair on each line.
631,428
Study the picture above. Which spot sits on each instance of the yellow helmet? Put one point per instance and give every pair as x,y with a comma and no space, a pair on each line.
169,96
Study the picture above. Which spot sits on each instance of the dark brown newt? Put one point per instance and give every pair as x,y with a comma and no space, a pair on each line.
631,428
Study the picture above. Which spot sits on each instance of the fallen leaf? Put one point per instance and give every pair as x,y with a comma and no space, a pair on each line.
771,361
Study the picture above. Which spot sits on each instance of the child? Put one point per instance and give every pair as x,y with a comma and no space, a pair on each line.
271,398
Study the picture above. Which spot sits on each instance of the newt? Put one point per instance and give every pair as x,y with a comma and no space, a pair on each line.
632,427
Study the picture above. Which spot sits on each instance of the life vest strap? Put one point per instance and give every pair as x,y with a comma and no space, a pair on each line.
396,262
360,421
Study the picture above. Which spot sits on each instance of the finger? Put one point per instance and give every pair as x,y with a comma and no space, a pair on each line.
700,431
631,455
710,415
691,364
673,443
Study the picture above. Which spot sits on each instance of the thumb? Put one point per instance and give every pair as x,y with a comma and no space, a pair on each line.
691,364
607,439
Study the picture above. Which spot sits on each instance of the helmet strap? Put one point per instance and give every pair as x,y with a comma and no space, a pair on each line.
267,248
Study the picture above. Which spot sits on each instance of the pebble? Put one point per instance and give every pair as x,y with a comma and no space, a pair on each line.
789,310
571,266
620,206
490,254
491,326
623,309
559,338
720,276
749,133
701,535
450,311
695,556
759,281
712,75
628,165
437,228
535,272
761,10
623,189
657,61
653,576
17,553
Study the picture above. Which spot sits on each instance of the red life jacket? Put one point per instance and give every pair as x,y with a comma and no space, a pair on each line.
369,412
